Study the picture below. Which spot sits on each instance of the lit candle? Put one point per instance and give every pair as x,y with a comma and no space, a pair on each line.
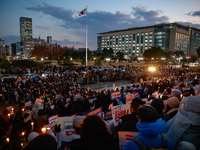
48,129
22,144
32,123
7,139
181,95
9,116
22,109
23,133
43,130
161,96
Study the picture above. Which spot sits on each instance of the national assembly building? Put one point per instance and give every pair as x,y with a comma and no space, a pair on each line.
170,37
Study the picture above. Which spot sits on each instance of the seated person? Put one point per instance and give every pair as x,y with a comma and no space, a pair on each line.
150,128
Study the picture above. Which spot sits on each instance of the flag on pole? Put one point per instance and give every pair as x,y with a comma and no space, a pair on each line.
82,13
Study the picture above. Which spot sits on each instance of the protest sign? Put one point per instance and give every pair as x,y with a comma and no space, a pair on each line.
77,96
115,95
9,108
108,115
129,98
72,116
176,86
65,145
135,95
66,124
50,126
28,104
124,137
39,101
52,119
58,96
119,111
97,111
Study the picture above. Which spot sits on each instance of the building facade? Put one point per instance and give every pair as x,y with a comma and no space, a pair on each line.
134,41
2,47
28,46
25,28
49,39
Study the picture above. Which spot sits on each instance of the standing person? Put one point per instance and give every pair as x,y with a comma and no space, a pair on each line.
150,128
94,135
41,120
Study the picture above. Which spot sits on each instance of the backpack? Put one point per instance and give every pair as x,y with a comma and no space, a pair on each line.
142,146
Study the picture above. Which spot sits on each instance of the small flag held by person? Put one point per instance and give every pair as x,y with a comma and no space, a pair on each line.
82,13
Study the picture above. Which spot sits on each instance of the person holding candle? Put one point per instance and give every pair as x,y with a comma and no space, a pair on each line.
5,124
41,120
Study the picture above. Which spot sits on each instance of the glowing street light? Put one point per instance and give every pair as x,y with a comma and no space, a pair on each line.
152,69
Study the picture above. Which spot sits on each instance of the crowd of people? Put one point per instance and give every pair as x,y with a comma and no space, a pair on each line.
168,117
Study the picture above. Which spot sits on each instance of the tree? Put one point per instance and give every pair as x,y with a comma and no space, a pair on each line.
154,52
5,64
120,56
98,62
83,61
179,53
193,57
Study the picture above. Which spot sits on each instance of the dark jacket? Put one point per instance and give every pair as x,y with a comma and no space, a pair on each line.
129,122
104,144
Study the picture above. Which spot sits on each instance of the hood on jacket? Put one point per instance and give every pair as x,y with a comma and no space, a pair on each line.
37,104
151,128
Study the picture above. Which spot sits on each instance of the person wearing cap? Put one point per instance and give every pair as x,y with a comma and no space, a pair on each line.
129,121
77,123
172,106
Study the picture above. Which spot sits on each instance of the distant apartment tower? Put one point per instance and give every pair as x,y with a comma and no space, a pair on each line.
28,46
49,39
2,47
25,28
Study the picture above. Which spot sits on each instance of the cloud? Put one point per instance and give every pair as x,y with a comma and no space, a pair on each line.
190,24
141,12
57,12
44,28
10,39
195,13
101,21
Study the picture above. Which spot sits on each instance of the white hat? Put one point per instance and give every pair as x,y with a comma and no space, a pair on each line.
32,136
78,121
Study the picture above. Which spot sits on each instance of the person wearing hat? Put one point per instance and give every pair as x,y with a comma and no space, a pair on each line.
77,123
172,106
129,121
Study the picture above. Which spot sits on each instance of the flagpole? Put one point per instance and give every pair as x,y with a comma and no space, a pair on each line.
86,38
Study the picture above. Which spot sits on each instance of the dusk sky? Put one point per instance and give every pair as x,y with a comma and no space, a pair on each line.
57,18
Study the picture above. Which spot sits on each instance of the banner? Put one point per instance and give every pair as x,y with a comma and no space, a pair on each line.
115,95
77,96
124,137
97,111
39,101
129,98
119,111
28,104
155,94
72,116
108,115
52,119
180,82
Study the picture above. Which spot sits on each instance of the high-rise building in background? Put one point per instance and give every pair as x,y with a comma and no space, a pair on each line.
2,47
169,37
13,49
25,28
49,39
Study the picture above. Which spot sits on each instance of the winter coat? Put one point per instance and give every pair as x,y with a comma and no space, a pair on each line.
41,122
150,135
185,126
104,144
36,109
129,123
